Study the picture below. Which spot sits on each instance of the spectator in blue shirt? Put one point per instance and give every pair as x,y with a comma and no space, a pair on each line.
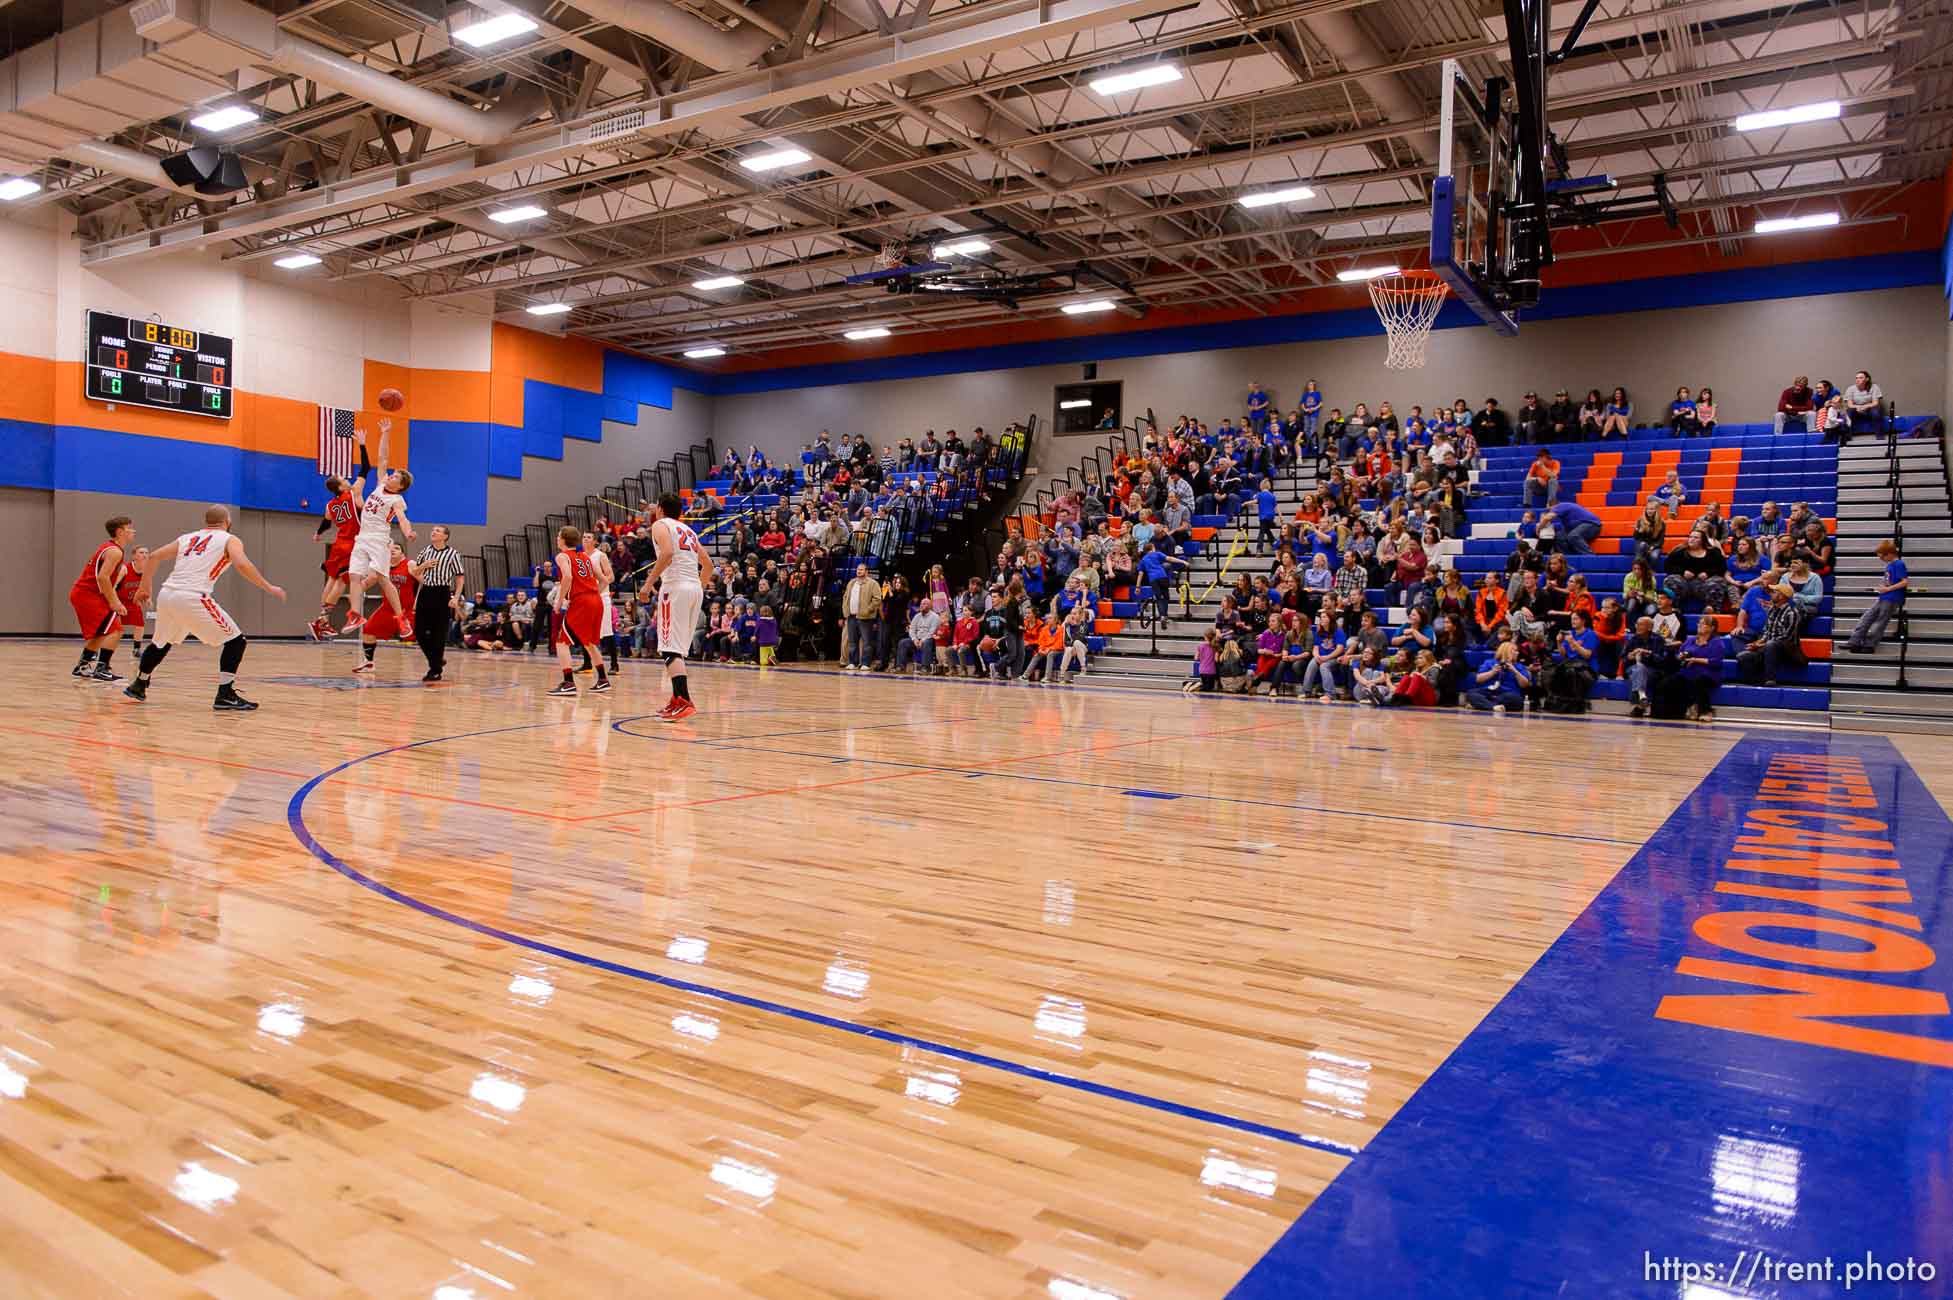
1618,412
1574,527
1265,506
1311,409
1156,567
1502,683
1702,668
1681,413
1327,669
1754,609
1891,599
1257,407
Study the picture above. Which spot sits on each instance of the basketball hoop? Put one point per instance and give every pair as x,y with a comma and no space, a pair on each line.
891,255
1407,303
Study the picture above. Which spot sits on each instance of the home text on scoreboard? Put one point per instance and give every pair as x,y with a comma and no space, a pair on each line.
166,367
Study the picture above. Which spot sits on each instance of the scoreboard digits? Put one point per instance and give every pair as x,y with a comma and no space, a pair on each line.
148,363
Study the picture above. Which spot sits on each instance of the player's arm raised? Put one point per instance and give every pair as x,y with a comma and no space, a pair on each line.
234,548
144,588
105,569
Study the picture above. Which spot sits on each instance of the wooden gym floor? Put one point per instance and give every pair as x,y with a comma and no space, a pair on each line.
869,987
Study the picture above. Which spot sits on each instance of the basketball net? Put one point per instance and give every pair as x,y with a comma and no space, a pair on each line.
1407,303
891,256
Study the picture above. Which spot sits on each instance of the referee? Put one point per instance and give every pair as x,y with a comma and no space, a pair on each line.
437,569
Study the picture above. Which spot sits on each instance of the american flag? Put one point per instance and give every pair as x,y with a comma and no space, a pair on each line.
338,441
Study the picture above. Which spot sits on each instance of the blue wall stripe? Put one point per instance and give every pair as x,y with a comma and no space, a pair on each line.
76,458
1575,1142
454,459
26,454
1844,275
451,461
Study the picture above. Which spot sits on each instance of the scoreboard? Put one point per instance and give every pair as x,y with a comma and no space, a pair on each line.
147,363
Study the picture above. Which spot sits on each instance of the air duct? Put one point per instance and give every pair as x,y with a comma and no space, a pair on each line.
716,47
1352,47
137,166
448,116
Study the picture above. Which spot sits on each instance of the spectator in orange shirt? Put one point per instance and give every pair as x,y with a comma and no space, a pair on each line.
1579,599
1543,478
1489,611
1610,628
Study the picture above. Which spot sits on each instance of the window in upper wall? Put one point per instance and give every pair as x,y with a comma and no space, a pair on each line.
1086,408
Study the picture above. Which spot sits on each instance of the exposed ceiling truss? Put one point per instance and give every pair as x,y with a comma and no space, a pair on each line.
929,121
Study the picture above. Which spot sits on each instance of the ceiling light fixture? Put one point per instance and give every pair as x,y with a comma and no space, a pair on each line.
718,282
1778,225
1086,308
296,262
1293,194
1365,272
224,119
872,332
528,212
490,30
961,248
766,162
18,187
1158,74
1788,116
549,309
700,354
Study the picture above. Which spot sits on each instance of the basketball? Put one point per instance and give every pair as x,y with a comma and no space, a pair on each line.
988,645
392,399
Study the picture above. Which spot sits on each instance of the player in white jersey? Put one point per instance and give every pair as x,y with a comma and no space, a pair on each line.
373,549
680,573
606,575
186,608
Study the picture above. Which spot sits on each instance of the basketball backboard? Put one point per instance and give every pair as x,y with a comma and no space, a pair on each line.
1476,186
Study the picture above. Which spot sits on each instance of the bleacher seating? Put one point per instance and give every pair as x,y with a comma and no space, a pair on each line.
1741,467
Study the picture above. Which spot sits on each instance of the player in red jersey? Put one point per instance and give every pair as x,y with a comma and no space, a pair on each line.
579,610
342,517
99,608
383,626
130,590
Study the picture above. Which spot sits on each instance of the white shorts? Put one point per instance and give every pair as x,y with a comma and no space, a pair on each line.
610,627
678,618
184,614
371,556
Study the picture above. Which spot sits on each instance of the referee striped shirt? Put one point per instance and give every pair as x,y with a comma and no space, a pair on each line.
446,562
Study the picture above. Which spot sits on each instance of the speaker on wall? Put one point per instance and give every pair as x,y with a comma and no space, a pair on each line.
1091,370
207,169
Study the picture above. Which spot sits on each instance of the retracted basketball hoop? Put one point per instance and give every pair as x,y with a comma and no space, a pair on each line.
1407,303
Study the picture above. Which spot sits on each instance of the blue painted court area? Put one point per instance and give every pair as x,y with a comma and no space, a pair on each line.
1732,1076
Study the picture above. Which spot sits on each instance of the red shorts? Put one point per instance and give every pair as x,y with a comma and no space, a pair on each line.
584,620
338,560
381,625
95,616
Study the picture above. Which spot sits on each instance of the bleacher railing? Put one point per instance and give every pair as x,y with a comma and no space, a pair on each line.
1895,485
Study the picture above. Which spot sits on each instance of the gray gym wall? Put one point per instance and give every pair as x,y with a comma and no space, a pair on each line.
1746,351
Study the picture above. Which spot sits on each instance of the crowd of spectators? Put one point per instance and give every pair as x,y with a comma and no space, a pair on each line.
782,539
1296,619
